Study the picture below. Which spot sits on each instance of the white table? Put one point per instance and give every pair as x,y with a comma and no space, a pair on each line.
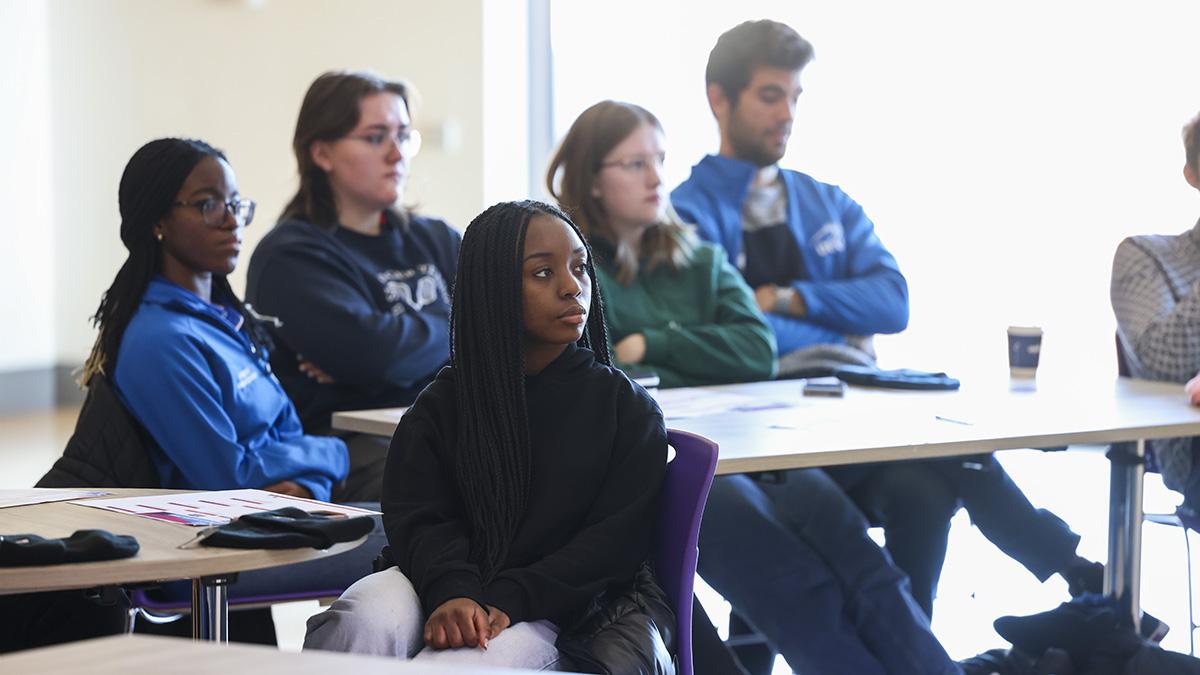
989,413
144,655
158,559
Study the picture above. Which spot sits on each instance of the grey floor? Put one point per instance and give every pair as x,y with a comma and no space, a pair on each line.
978,584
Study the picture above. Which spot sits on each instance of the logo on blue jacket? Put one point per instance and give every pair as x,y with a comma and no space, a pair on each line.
831,238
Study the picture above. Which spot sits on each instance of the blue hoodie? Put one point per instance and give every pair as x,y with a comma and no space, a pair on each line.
207,396
852,284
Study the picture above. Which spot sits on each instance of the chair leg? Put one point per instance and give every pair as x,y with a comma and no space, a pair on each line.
752,650
1187,546
158,619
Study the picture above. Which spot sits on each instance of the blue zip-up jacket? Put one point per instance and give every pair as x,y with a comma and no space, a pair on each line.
852,284
208,398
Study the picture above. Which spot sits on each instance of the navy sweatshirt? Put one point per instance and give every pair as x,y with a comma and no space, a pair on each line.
372,312
598,451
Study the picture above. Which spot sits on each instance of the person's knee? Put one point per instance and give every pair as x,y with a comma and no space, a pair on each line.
380,614
527,645
735,505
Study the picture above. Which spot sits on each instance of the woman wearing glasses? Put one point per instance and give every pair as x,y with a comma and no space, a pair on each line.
359,284
674,304
183,352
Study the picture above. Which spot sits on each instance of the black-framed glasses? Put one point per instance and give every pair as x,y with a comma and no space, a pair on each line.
213,210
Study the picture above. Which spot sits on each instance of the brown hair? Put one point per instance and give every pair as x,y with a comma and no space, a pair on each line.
744,48
330,111
573,169
1191,144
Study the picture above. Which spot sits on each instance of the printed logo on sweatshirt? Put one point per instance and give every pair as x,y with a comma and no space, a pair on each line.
831,238
413,289
246,376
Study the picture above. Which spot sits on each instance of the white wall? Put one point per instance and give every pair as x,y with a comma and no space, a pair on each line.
505,93
26,277
233,73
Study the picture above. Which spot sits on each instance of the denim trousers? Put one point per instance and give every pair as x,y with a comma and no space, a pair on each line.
914,502
790,551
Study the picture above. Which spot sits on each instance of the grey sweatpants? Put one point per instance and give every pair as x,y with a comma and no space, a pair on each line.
380,614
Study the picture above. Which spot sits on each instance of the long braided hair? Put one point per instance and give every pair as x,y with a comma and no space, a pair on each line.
487,354
149,186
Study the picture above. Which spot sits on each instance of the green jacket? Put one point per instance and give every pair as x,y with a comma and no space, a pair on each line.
701,323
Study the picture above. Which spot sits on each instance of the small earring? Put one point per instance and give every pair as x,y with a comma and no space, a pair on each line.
158,236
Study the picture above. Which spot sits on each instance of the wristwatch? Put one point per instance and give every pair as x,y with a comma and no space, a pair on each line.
783,299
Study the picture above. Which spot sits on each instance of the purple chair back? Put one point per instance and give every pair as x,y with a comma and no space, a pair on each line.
684,492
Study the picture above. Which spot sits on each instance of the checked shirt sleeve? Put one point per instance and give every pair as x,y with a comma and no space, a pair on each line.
1158,323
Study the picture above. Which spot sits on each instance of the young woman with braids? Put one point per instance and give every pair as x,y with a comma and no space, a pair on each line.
523,482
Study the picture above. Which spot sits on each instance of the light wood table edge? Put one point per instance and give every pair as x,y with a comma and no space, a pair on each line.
110,573
157,537
820,459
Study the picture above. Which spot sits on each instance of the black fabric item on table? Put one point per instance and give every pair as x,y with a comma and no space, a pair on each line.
20,550
289,527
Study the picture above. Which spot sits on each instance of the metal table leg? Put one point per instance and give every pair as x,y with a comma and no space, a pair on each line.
210,608
1122,575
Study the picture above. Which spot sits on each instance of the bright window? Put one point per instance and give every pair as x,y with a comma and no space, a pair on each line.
1002,150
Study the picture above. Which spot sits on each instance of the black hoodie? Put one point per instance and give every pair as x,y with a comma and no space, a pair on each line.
598,457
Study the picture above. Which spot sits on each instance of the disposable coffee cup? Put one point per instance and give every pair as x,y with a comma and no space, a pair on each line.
1024,347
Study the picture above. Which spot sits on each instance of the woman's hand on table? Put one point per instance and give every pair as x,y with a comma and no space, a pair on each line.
289,488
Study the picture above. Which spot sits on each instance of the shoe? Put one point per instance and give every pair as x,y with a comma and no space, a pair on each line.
1085,628
1084,577
1153,628
994,662
1054,662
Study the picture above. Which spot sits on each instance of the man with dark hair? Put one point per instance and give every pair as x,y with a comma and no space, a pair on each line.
823,277
790,551
807,249
1156,298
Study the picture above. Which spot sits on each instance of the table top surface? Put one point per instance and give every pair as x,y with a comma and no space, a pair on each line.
790,431
135,654
159,558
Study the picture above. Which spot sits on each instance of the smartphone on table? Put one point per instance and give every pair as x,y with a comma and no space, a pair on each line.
824,386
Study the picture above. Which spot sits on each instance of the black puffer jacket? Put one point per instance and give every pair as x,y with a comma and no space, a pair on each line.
624,633
108,449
